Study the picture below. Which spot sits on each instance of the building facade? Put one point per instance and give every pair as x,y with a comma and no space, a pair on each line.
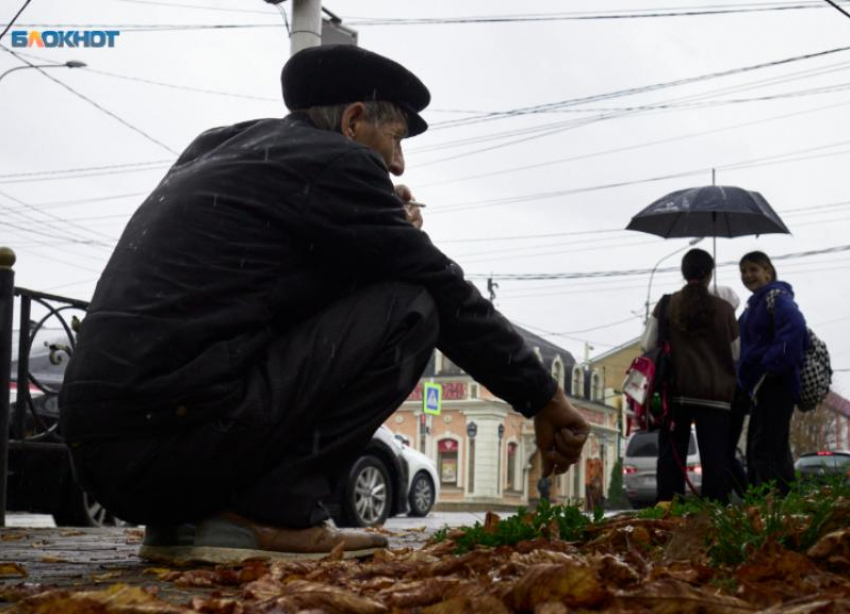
485,452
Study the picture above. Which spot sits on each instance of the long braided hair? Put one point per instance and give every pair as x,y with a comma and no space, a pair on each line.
693,313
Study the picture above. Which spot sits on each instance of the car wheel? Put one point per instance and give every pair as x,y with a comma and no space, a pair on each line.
421,496
368,495
81,510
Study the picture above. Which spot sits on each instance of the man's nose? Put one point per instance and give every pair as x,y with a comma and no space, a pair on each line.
397,162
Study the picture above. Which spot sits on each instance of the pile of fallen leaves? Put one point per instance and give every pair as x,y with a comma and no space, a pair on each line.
767,556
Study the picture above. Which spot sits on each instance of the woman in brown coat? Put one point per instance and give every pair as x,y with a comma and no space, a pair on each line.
703,335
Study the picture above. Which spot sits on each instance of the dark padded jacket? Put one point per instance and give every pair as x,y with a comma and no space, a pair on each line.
774,343
258,226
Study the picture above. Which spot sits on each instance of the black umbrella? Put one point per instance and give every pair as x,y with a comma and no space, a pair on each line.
709,211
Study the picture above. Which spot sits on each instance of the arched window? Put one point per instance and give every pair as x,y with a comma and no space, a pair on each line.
597,386
577,388
447,461
558,371
511,474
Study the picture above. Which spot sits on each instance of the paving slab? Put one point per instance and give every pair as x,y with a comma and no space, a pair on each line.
85,559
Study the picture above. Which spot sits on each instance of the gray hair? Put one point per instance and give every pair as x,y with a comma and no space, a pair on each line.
377,112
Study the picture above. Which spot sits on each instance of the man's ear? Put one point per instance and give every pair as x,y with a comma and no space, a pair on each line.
352,116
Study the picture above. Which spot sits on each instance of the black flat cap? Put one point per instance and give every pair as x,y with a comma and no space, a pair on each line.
339,74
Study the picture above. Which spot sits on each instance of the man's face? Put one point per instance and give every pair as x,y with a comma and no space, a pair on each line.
384,139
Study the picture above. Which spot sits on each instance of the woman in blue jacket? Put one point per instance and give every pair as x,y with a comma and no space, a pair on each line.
773,342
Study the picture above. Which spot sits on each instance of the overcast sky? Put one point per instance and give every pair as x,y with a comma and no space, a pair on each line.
630,105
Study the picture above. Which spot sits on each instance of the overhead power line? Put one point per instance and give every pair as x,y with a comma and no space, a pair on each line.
603,152
188,88
579,16
807,153
14,19
195,7
470,20
96,105
83,235
546,107
838,8
630,272
84,171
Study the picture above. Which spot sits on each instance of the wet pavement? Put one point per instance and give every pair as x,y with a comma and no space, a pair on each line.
34,550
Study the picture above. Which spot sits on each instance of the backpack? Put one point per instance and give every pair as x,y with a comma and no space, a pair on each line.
647,378
816,372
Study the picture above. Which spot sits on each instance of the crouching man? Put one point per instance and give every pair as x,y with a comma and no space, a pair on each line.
268,306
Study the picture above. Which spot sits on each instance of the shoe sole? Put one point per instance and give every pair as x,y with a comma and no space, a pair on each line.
182,555
166,554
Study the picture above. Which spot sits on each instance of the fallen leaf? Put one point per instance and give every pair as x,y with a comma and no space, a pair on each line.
71,533
161,573
832,544
109,575
12,570
574,585
217,605
687,542
337,553
133,536
302,595
675,597
491,522
116,599
468,605
813,606
417,593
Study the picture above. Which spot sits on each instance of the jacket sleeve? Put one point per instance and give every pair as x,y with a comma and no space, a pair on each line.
357,224
734,333
789,338
649,340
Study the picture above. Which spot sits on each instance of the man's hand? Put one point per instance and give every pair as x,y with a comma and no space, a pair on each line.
561,432
414,209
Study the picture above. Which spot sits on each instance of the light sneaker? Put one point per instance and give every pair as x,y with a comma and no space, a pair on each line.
229,538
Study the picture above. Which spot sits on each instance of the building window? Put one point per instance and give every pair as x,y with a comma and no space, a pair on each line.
597,391
578,382
447,461
511,465
558,371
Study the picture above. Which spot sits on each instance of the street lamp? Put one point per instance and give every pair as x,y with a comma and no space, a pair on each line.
691,243
68,64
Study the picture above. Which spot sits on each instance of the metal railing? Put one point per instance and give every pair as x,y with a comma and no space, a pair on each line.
33,420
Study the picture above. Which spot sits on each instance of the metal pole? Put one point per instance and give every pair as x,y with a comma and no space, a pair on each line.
306,25
7,308
691,243
18,429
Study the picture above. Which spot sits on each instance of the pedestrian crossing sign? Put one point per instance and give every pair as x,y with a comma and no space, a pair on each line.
432,399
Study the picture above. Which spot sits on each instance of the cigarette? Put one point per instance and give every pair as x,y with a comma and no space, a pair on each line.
414,203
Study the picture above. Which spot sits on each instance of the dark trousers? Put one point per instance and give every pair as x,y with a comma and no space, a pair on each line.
768,450
712,426
312,401
737,474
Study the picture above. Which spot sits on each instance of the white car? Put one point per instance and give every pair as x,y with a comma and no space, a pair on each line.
423,486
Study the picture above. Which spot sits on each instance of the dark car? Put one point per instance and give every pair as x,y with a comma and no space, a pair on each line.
40,479
823,466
